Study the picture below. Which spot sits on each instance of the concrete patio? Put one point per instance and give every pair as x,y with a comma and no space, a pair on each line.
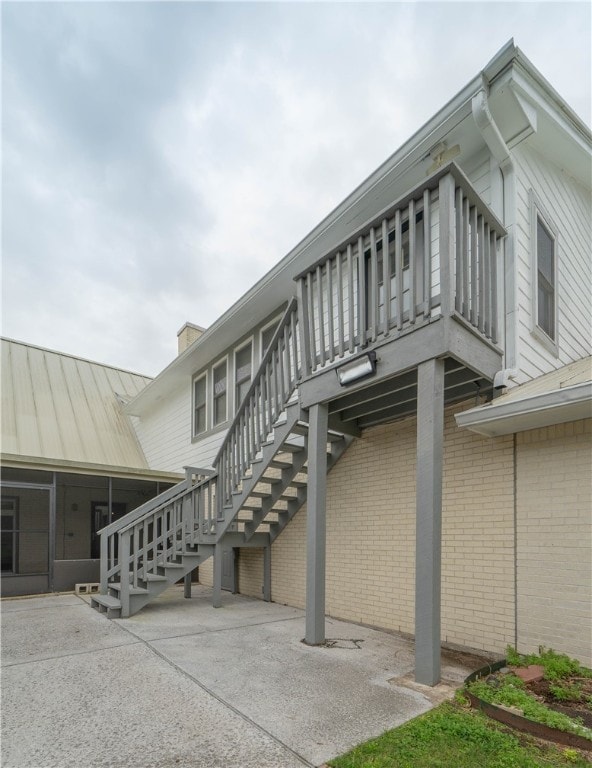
183,684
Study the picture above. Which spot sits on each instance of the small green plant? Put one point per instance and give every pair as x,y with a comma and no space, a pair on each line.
509,691
557,666
571,755
566,691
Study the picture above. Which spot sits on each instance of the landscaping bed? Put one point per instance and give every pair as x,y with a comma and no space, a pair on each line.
548,695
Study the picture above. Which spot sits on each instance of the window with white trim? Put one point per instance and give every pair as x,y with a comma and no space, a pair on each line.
545,255
243,367
544,269
267,336
219,384
199,405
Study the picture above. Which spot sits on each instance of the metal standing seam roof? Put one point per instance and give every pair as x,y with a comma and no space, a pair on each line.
66,409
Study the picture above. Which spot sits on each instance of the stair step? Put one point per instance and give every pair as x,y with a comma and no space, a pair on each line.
259,494
297,484
116,585
291,448
154,577
106,600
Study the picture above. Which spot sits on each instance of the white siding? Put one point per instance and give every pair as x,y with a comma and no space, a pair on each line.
568,205
165,435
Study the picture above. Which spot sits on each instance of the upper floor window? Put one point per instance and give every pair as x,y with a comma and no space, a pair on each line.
545,255
199,405
544,289
267,336
219,377
243,364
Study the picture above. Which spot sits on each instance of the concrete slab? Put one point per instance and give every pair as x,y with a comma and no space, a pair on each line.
124,707
320,701
50,627
173,615
182,684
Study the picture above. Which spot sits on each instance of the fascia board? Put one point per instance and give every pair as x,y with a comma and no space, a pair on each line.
17,461
541,410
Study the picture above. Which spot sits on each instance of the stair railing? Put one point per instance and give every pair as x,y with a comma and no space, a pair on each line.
271,388
158,531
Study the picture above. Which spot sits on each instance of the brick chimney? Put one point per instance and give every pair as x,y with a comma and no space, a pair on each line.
187,335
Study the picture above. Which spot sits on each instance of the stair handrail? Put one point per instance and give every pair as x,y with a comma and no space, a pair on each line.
232,441
163,498
157,507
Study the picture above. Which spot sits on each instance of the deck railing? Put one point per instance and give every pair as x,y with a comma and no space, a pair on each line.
431,253
270,390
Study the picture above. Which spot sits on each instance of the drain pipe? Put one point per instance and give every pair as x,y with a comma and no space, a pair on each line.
499,149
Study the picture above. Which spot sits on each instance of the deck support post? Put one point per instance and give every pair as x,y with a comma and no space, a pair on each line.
267,573
217,588
187,585
316,525
428,541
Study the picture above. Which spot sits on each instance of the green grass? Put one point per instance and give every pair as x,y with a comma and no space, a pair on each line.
452,736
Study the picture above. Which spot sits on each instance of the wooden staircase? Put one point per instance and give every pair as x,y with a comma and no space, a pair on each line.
258,483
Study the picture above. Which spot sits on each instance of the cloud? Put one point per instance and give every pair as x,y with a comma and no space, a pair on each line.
160,157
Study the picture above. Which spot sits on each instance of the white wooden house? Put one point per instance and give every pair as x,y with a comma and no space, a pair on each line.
393,425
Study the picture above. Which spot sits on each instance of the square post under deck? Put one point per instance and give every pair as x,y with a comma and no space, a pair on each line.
316,525
217,588
428,529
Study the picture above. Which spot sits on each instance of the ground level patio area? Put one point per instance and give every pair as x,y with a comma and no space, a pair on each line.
182,684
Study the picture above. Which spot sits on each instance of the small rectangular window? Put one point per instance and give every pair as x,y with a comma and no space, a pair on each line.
545,255
199,406
220,386
243,362
266,337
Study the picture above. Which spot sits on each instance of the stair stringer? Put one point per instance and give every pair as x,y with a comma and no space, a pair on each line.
150,585
269,450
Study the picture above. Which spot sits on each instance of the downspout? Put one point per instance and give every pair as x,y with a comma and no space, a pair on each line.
501,154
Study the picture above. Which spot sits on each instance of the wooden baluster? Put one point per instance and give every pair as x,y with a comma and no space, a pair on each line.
465,252
473,316
375,300
487,282
459,260
362,294
386,277
330,329
427,254
494,307
321,314
350,297
399,268
481,292
412,257
340,301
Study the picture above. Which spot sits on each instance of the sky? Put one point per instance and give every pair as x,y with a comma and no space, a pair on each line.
160,157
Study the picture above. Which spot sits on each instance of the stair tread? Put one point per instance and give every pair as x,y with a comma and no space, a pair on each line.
154,577
116,585
107,600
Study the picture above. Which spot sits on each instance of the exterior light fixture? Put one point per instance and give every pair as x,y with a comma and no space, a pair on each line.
357,369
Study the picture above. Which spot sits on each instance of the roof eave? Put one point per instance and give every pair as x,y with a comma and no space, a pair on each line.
541,410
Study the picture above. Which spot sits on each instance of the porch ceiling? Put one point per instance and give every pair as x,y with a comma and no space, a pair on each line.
395,398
